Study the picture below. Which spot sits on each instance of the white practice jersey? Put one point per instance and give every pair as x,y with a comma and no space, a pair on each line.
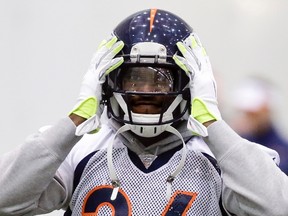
196,190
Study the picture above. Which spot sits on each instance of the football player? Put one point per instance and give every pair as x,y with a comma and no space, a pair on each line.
146,137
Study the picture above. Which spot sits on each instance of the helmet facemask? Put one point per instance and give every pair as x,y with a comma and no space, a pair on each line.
147,92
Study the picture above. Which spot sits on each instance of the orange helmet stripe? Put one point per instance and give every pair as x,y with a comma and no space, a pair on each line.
152,16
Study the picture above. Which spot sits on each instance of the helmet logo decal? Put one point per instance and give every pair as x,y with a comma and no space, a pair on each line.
152,16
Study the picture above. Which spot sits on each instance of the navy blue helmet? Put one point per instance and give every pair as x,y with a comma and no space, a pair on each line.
150,38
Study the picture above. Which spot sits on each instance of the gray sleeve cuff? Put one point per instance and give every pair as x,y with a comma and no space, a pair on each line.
60,138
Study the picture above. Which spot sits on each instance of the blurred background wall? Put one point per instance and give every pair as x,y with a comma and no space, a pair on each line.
46,46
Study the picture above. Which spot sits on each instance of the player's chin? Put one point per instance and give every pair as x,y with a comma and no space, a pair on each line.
147,109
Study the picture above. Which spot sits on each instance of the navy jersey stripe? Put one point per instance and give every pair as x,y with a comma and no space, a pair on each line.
80,168
161,160
77,176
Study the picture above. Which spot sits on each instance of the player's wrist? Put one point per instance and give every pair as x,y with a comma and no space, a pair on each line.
77,120
208,123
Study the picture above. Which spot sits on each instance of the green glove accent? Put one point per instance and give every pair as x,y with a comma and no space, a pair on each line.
87,108
115,51
181,64
108,44
114,66
200,111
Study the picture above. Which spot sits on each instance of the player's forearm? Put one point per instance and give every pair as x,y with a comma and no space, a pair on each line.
250,176
28,170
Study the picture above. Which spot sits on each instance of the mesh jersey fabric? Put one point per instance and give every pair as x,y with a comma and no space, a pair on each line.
196,190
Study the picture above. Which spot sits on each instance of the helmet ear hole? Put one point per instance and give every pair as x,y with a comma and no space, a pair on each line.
107,92
186,94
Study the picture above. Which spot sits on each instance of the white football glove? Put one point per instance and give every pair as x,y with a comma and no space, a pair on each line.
88,103
203,89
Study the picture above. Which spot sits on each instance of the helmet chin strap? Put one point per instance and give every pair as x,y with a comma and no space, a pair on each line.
112,172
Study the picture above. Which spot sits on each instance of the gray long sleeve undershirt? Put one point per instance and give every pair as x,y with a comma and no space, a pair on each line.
28,171
250,176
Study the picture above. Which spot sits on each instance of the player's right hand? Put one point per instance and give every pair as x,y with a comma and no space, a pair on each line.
88,103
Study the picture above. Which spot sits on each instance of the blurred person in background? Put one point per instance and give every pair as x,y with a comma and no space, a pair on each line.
255,101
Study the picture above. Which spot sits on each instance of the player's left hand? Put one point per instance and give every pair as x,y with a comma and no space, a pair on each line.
203,89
